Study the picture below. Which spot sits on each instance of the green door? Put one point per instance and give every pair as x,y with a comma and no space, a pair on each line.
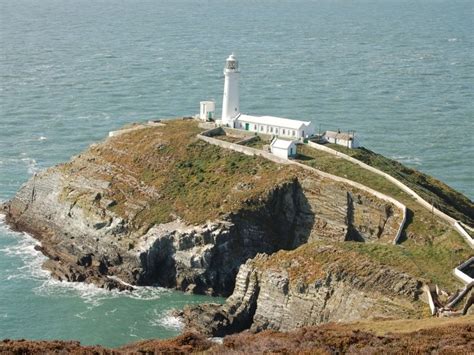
246,126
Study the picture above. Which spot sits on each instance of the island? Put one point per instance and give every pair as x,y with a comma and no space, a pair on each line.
292,243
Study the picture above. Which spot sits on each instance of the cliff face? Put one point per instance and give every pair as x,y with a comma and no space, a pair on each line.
157,207
86,241
339,288
205,259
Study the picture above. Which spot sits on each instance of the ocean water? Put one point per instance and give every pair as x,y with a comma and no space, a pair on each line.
398,72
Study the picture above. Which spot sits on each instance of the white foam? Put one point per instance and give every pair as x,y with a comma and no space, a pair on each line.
42,138
23,247
166,320
452,39
80,315
133,330
31,164
405,159
111,312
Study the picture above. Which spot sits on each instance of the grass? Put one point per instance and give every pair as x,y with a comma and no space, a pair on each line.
164,173
430,248
257,143
436,192
430,263
422,224
227,138
158,174
433,263
382,327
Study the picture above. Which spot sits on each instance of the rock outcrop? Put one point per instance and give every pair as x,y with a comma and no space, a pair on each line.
341,289
86,241
113,218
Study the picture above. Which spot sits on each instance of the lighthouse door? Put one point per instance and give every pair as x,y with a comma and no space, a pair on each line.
246,126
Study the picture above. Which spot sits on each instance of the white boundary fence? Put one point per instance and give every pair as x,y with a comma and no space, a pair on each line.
205,136
403,187
461,275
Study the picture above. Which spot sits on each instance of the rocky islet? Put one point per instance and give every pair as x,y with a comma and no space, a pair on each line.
275,248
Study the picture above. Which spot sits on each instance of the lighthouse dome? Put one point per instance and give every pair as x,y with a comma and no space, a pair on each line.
231,63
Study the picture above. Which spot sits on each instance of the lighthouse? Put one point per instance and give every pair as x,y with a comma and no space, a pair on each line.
230,102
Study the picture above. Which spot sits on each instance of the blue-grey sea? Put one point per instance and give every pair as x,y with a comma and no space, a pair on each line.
398,72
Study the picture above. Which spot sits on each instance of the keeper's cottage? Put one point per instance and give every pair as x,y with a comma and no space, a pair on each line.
232,117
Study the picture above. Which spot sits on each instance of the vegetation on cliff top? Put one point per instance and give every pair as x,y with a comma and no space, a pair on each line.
426,336
429,249
433,190
160,173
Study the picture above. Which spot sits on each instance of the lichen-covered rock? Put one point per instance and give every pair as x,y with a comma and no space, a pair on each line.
345,290
86,241
116,216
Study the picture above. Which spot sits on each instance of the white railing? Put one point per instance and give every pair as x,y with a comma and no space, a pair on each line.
257,152
457,226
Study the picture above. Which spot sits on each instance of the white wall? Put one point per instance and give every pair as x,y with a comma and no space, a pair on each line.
402,186
283,152
270,129
349,144
206,108
272,157
280,152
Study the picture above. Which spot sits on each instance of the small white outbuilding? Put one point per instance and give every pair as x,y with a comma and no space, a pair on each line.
347,140
207,110
283,148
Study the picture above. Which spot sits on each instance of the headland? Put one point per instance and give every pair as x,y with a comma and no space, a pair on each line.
291,243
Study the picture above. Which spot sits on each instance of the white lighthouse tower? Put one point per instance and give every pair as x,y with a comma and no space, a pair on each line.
230,102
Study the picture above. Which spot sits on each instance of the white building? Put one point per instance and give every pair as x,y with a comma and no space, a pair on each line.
276,126
207,110
345,139
283,148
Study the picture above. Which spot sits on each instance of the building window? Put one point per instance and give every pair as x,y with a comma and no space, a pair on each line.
271,129
261,128
294,133
283,132
276,130
255,127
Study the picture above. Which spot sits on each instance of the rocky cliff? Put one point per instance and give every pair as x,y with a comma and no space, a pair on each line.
156,206
87,241
89,213
312,285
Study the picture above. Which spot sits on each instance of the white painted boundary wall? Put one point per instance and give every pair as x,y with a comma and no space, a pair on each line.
461,275
403,187
257,152
134,128
429,297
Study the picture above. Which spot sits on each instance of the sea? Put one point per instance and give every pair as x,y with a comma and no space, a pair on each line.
400,73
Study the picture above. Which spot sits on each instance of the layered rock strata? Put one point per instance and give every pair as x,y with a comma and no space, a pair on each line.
86,241
341,289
